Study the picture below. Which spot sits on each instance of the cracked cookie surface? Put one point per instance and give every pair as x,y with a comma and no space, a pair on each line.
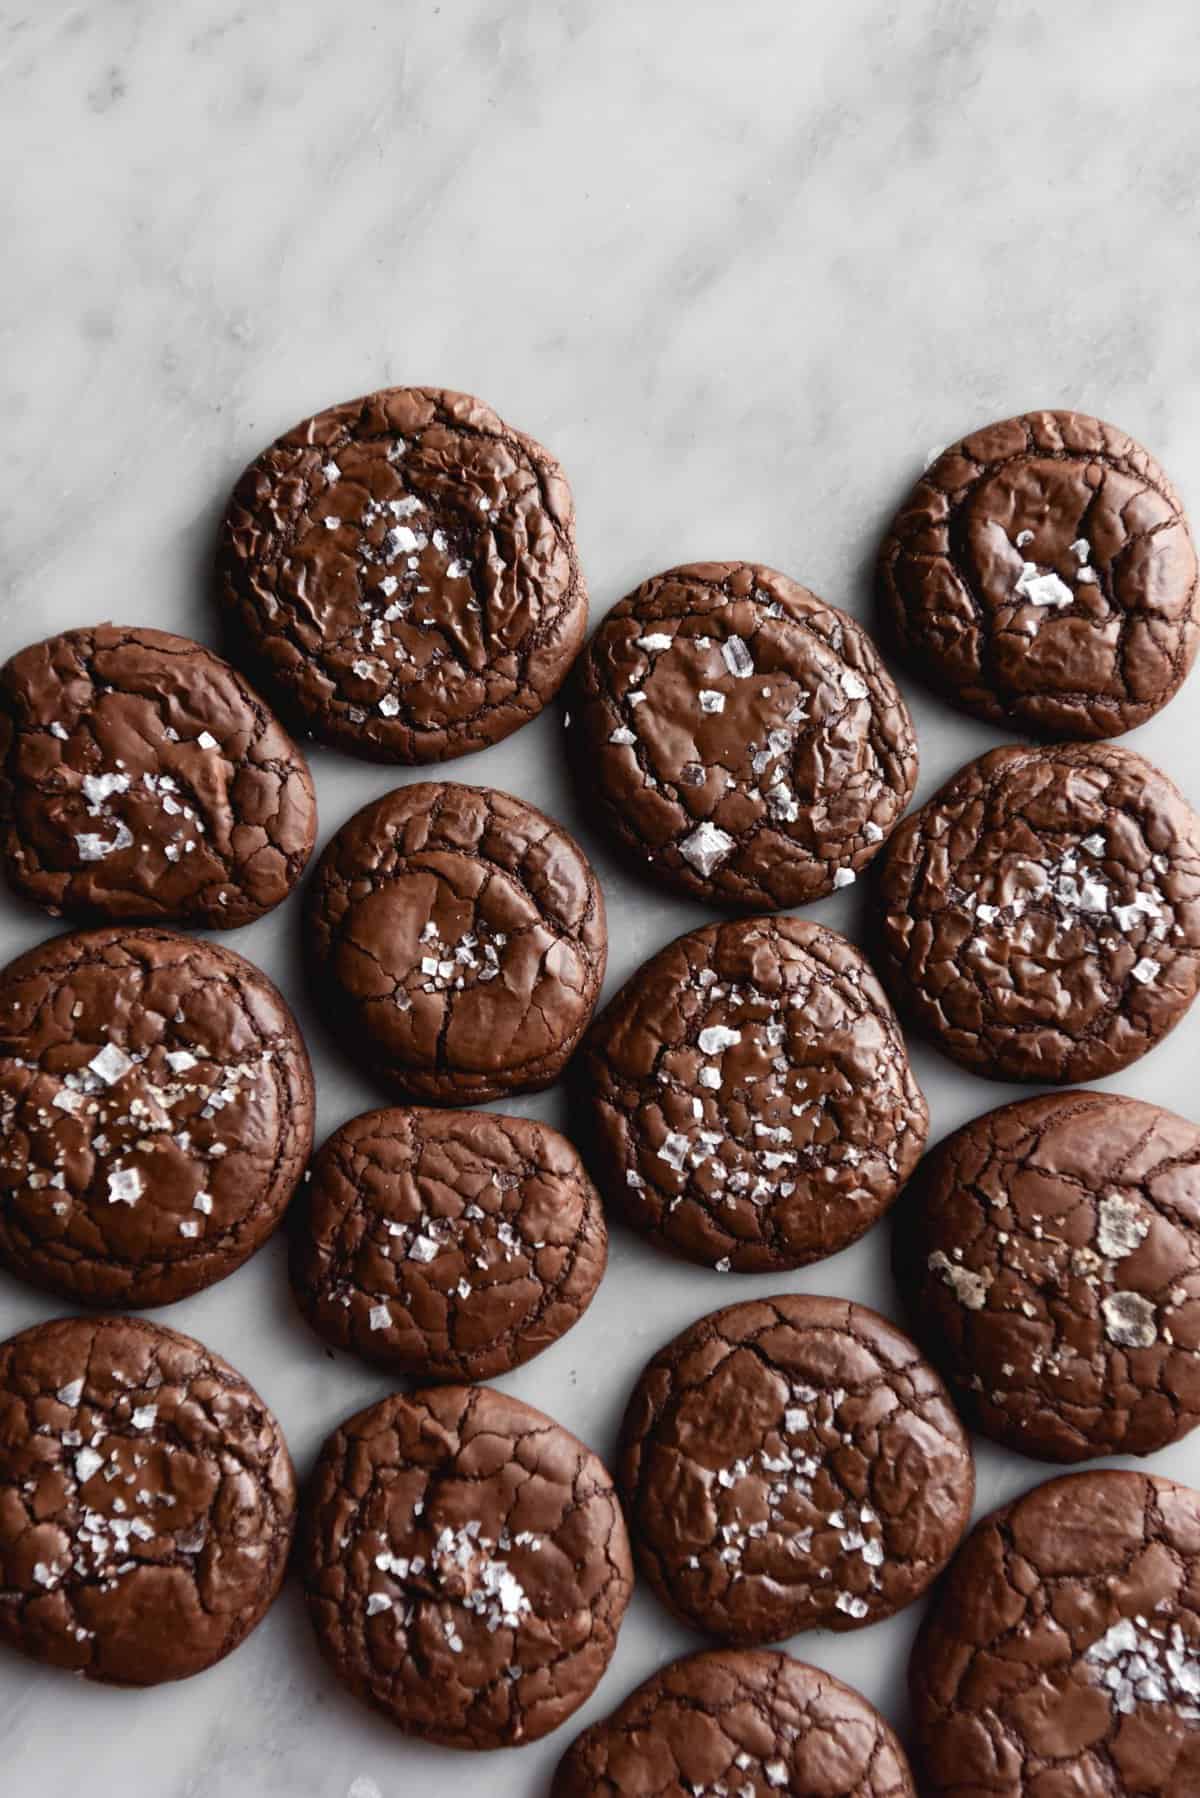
752,1100
1042,574
742,739
1061,1655
453,1245
1050,1252
147,1501
1041,914
403,571
747,1724
142,780
466,1565
457,940
156,1112
792,1463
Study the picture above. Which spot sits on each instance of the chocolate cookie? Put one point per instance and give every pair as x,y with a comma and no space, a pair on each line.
750,1724
1051,1253
466,1565
403,569
1061,1656
141,779
753,1104
156,1112
792,1463
1041,574
452,1245
1042,912
740,737
146,1501
456,937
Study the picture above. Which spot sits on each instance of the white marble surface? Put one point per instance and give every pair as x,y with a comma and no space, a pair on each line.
740,267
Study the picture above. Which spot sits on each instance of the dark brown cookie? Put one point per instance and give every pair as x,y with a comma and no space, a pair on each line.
1042,574
456,937
146,1501
403,569
141,779
466,1565
1061,1655
753,1104
156,1112
1041,914
1051,1254
453,1245
746,1724
740,737
792,1463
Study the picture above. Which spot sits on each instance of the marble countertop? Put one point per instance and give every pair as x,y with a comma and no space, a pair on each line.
739,268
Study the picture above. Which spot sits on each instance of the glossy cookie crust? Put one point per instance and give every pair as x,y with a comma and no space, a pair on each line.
466,1565
1061,1655
751,1723
1050,1254
403,571
751,1096
1041,914
450,1245
1042,575
156,1112
456,939
142,780
792,1463
742,739
147,1501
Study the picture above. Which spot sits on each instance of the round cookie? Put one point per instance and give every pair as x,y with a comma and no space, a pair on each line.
752,1101
156,1112
792,1463
466,1565
1061,1655
750,1724
456,937
147,1501
742,739
141,779
1051,1255
1041,574
1041,914
403,571
450,1245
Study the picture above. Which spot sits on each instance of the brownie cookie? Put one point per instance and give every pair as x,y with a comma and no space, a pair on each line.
1041,914
747,1724
156,1112
752,1100
1051,1254
466,1565
141,779
741,738
1041,574
792,1463
146,1501
452,1245
1061,1655
456,937
404,572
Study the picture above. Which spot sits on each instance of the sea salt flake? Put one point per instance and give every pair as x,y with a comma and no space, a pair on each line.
706,847
71,1394
844,877
717,1038
111,1064
206,740
379,1317
655,640
1145,971
711,700
125,1186
852,685
737,658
